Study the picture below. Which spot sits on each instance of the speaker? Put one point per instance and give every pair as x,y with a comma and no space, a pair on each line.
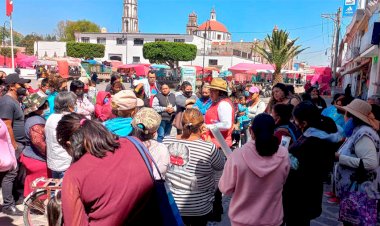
376,34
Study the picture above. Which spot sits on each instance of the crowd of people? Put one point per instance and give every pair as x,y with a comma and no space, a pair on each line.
283,151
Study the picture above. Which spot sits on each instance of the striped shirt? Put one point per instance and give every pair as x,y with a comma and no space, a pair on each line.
191,176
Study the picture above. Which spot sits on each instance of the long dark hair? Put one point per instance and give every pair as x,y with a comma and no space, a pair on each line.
263,128
85,136
309,113
284,111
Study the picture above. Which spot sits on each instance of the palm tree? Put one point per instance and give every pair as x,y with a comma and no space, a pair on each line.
278,50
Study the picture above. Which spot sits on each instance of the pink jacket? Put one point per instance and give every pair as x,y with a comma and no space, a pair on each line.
255,183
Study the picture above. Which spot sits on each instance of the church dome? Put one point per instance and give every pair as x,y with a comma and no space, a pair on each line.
213,25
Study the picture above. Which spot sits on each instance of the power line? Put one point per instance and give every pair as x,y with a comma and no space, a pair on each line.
266,32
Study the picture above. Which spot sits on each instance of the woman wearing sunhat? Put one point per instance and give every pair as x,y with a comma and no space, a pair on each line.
34,154
221,112
359,154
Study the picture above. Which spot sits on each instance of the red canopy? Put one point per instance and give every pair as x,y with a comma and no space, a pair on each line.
141,69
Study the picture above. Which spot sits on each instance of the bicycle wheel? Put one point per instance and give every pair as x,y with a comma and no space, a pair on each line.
35,208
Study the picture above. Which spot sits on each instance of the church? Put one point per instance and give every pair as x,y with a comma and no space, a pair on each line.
212,39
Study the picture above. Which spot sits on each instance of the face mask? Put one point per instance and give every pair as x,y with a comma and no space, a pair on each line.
75,109
246,93
205,97
48,92
105,100
188,93
21,91
349,127
46,112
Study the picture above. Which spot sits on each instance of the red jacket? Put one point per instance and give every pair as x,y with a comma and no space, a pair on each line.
103,111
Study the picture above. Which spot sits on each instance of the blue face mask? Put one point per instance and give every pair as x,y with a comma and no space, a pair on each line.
349,127
76,109
48,92
105,100
246,93
46,112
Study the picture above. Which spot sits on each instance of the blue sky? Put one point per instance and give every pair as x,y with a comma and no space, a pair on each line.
245,19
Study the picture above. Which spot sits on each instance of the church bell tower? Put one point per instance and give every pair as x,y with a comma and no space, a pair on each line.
130,20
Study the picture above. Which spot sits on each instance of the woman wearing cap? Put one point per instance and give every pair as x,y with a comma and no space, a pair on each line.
108,182
33,156
260,164
256,105
145,125
191,169
312,159
358,153
280,95
221,113
125,105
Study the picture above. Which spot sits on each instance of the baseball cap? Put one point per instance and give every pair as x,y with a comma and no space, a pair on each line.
254,89
147,120
15,78
126,100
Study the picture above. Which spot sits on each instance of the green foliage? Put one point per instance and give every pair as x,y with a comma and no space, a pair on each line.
66,29
28,43
84,50
7,52
278,50
169,52
7,36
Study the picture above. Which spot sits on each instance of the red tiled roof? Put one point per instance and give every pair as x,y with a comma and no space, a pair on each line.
214,25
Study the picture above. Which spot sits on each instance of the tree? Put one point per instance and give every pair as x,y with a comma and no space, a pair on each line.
28,42
66,29
169,52
7,52
84,50
278,50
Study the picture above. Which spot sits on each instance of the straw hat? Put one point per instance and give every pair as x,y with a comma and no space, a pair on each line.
219,84
363,111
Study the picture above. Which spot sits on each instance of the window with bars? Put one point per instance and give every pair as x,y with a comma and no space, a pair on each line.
138,41
85,39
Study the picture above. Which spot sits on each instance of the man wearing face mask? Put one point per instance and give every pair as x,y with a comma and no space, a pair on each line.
13,116
84,105
44,90
185,100
204,103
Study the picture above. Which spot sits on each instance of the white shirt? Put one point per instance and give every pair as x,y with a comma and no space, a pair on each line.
57,157
225,116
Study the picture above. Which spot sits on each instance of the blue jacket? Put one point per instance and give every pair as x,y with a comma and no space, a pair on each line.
119,126
203,105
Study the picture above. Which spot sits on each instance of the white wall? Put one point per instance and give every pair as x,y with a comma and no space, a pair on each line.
225,61
50,48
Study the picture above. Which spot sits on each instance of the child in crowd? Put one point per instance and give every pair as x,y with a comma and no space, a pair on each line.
242,114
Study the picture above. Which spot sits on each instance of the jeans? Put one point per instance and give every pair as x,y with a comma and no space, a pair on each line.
164,130
57,174
7,182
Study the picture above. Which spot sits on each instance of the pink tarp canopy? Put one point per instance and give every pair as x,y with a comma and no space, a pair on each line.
323,76
249,68
141,69
25,61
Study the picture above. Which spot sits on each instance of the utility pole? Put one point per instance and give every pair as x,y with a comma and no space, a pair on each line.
336,17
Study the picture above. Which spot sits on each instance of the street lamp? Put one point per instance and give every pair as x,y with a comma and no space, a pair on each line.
204,45
124,40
